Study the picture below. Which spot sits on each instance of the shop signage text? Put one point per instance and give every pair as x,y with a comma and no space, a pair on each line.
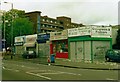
93,31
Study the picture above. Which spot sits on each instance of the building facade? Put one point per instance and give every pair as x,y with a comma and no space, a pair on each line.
67,24
34,17
43,24
50,25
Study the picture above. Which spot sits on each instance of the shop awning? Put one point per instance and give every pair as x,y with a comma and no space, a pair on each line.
29,45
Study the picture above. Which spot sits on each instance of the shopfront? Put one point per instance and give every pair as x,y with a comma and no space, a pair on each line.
43,46
30,43
19,41
59,44
89,43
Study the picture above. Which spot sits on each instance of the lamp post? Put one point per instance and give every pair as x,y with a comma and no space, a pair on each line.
11,24
3,14
4,28
0,29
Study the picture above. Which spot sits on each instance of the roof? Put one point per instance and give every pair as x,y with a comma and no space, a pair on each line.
33,12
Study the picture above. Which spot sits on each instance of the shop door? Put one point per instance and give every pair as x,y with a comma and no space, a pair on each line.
99,49
87,50
79,49
44,50
19,50
72,51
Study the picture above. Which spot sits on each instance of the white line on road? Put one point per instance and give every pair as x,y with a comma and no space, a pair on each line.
51,73
38,75
109,79
10,69
70,73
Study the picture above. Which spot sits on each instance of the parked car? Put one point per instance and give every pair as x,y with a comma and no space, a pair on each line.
29,54
113,55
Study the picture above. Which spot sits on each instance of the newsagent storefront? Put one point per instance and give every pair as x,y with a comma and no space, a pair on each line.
59,44
86,47
19,41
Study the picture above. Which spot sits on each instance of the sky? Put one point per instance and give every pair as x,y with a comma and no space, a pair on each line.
88,12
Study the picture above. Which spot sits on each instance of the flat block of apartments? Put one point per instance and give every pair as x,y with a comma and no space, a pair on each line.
43,24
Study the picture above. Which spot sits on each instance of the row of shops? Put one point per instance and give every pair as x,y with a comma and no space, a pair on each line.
76,44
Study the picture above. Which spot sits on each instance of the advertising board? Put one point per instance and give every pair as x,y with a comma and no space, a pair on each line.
58,35
31,38
19,39
84,31
93,31
101,31
72,32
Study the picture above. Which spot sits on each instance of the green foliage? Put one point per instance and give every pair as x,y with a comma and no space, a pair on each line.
15,24
22,26
117,45
118,37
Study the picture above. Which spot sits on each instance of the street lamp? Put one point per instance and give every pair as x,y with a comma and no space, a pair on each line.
3,14
11,24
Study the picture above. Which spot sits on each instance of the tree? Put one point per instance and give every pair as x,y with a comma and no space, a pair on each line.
22,26
117,45
17,24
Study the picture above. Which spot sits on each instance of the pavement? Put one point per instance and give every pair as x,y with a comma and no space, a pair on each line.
87,65
68,63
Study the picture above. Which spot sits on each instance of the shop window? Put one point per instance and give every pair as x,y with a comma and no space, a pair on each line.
60,47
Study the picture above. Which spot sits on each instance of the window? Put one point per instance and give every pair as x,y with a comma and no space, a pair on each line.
55,22
47,20
43,19
67,24
61,22
51,21
43,25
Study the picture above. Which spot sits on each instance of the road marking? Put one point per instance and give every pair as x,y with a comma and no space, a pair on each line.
3,67
109,79
10,69
53,72
70,73
38,75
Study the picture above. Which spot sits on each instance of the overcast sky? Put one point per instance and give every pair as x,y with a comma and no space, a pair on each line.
93,12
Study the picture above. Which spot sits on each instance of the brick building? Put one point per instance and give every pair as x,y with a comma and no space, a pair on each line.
34,17
66,21
46,24
50,25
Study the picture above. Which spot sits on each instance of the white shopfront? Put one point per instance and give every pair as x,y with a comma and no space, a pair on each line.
30,43
19,41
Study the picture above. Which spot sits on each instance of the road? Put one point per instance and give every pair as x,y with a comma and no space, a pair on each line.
18,70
